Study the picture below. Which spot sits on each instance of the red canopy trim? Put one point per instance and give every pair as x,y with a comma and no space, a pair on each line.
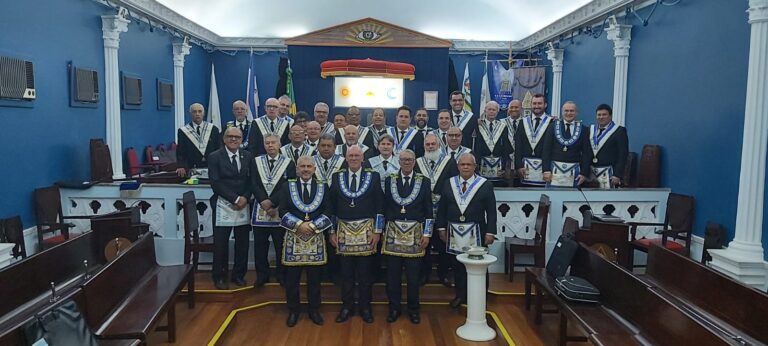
367,67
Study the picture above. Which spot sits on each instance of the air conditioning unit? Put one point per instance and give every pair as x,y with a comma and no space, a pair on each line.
132,95
17,79
86,85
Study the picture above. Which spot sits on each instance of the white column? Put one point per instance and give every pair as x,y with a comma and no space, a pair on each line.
620,35
744,257
180,50
476,327
556,57
111,27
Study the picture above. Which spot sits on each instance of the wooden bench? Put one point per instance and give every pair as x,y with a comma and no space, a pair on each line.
740,311
630,311
128,298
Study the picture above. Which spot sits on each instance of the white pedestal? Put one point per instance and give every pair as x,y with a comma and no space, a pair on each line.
476,328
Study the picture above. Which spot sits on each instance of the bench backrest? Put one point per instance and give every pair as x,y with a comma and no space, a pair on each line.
103,293
743,307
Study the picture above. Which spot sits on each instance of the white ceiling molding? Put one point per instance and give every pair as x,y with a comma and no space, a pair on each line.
582,16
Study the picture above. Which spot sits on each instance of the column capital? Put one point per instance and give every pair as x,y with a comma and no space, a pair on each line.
556,57
112,26
758,11
180,50
620,35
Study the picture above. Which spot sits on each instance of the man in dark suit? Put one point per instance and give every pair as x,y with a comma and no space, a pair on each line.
272,170
408,210
356,201
351,140
608,147
302,205
466,216
364,134
406,137
564,148
267,124
513,122
491,146
197,140
230,171
421,120
463,119
529,142
240,111
438,167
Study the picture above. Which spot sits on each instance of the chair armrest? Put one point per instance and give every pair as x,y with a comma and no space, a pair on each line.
79,217
645,224
670,232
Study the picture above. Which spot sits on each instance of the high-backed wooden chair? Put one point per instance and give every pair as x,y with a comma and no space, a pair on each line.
649,167
675,231
193,244
516,246
570,226
50,218
101,161
11,231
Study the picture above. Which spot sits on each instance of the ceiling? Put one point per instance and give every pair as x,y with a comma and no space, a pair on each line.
480,20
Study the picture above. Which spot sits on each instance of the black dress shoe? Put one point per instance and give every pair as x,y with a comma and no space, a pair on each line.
367,316
239,282
316,318
393,316
293,317
343,315
221,285
260,281
456,302
415,318
446,282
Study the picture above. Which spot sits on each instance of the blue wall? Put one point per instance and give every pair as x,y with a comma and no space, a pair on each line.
232,79
431,66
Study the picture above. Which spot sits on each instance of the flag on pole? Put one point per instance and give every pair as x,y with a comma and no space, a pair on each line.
214,111
485,93
465,89
252,90
289,87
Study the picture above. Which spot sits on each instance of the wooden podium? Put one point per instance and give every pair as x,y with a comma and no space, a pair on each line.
611,236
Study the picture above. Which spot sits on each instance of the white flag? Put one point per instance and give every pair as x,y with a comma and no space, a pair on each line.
466,90
214,112
485,94
252,90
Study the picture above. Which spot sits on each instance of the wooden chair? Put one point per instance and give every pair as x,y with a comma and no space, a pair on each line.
535,246
649,167
50,218
11,231
101,161
193,244
678,225
570,226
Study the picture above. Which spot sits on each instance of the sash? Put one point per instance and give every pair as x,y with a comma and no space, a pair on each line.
461,235
510,134
465,117
328,128
377,164
354,237
603,176
363,184
564,174
362,132
597,142
200,141
263,123
433,175
462,150
287,150
535,136
463,199
575,134
407,138
534,172
375,132
298,201
490,167
227,216
334,163
491,138
402,239
304,250
407,200
270,178
340,148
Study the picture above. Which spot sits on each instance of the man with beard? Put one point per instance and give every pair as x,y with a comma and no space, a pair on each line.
463,119
564,162
321,116
197,140
267,124
529,141
492,147
422,122
438,167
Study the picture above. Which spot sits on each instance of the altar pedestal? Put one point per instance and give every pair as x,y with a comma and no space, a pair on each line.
476,327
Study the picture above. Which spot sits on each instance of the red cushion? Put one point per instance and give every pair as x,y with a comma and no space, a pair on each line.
400,67
672,245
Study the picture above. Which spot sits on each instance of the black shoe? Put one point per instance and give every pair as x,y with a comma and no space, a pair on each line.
221,285
367,316
316,318
446,282
260,281
344,315
293,317
456,302
415,318
393,316
239,282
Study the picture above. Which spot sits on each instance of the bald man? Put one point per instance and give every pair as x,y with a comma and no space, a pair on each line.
240,111
364,134
314,131
196,141
514,123
270,123
351,140
454,149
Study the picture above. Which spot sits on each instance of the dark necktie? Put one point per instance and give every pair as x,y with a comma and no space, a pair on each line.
242,127
382,132
490,127
325,165
402,134
458,118
272,126
464,187
353,183
600,132
312,144
306,193
385,163
567,130
406,183
432,165
295,154
536,126
453,155
199,132
514,125
444,141
271,164
234,162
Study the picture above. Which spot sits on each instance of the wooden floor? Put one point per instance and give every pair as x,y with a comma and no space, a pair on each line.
259,318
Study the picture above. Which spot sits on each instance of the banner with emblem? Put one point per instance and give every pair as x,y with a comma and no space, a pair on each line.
228,216
564,174
354,236
534,172
462,235
602,175
402,239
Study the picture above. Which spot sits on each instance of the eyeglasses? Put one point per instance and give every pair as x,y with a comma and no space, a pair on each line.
272,106
234,138
406,159
454,135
